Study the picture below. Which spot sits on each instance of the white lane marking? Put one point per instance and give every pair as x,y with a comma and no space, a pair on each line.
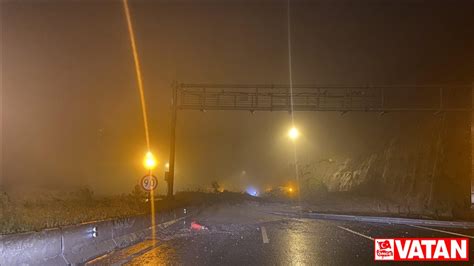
354,232
264,235
439,230
169,223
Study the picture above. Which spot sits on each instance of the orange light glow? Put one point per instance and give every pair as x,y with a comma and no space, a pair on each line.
137,69
149,161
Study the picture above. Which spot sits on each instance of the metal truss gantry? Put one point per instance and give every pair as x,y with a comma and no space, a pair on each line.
271,97
262,97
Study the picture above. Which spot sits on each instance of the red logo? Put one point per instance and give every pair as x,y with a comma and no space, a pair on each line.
384,244
422,249
384,249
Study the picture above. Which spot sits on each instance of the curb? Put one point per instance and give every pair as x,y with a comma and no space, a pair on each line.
376,219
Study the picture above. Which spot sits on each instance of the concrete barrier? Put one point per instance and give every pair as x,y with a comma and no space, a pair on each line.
130,230
77,244
35,248
86,241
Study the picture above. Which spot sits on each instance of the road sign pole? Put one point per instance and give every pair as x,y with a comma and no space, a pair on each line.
174,114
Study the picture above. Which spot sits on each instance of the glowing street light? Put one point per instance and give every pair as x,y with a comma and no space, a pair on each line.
149,161
290,189
293,133
167,166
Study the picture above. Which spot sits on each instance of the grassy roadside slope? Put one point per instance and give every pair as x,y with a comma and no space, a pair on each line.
50,212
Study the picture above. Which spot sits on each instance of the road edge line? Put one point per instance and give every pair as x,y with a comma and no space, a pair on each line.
356,233
264,235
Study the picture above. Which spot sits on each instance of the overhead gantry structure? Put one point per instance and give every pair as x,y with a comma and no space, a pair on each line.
273,97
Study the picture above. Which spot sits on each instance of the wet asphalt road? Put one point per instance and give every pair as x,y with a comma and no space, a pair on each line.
248,235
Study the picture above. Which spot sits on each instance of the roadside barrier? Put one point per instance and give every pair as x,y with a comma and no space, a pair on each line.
77,244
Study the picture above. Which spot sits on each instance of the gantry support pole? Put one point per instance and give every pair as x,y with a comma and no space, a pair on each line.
174,116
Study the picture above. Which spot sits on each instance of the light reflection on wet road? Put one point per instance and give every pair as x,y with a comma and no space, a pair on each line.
235,238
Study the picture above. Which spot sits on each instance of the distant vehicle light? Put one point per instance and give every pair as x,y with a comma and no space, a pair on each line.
252,191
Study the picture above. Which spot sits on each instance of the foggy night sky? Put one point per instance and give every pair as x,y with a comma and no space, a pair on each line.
70,105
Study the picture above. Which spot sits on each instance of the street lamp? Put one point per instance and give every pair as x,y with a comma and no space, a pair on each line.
293,133
149,162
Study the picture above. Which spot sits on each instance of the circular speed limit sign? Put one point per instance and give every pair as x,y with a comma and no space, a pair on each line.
149,182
